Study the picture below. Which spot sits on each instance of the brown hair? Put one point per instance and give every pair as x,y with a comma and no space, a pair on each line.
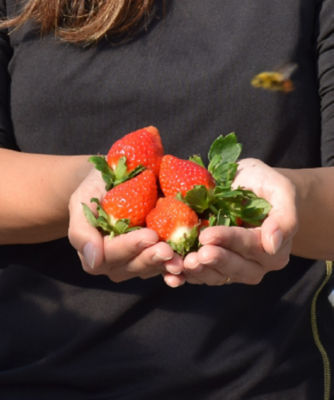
85,21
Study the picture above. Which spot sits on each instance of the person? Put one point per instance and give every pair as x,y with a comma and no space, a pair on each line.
83,316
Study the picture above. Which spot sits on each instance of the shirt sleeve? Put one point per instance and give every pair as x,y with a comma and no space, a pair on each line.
6,132
325,54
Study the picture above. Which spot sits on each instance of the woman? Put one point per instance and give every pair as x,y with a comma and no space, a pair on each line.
108,324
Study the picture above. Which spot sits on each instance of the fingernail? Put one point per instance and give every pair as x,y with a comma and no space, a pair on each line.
173,281
276,241
173,269
157,257
89,253
147,243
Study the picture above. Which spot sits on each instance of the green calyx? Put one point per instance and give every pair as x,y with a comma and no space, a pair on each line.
113,177
186,242
224,205
103,222
223,155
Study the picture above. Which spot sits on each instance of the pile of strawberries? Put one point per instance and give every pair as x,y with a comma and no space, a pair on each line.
175,197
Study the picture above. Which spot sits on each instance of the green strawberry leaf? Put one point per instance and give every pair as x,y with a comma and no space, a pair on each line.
89,215
224,149
255,211
196,158
223,154
222,219
198,198
102,221
122,174
100,211
229,206
241,204
107,173
121,226
121,169
224,173
224,192
219,219
212,220
136,171
104,225
114,177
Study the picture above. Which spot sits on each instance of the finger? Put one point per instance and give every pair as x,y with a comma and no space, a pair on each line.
229,264
248,244
281,224
175,266
123,248
197,273
240,240
191,262
147,260
86,239
227,235
275,234
174,281
149,263
207,276
152,258
121,274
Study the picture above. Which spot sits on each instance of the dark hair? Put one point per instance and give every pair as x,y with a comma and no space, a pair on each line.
85,21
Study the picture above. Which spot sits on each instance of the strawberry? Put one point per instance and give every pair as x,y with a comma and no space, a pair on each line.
141,147
204,223
179,176
125,206
175,222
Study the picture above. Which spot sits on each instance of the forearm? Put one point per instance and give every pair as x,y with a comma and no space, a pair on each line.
34,194
315,203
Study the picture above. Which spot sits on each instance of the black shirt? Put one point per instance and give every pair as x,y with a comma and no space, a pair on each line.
68,335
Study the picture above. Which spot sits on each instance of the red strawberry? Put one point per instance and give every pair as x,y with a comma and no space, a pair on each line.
141,147
204,223
132,199
175,223
125,206
177,175
239,221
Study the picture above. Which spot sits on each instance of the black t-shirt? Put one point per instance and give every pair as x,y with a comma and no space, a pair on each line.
67,335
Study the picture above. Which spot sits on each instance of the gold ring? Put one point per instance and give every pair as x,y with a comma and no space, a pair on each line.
228,281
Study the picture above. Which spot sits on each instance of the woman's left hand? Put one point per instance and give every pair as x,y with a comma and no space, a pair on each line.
245,255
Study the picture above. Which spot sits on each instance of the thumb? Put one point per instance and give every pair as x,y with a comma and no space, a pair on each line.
84,237
278,229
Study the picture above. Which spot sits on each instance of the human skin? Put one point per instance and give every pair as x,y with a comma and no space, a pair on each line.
34,194
228,253
300,223
41,198
245,255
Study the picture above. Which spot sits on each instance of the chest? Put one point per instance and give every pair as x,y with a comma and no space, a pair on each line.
189,75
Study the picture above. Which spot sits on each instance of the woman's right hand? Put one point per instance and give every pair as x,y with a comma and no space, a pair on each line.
135,254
